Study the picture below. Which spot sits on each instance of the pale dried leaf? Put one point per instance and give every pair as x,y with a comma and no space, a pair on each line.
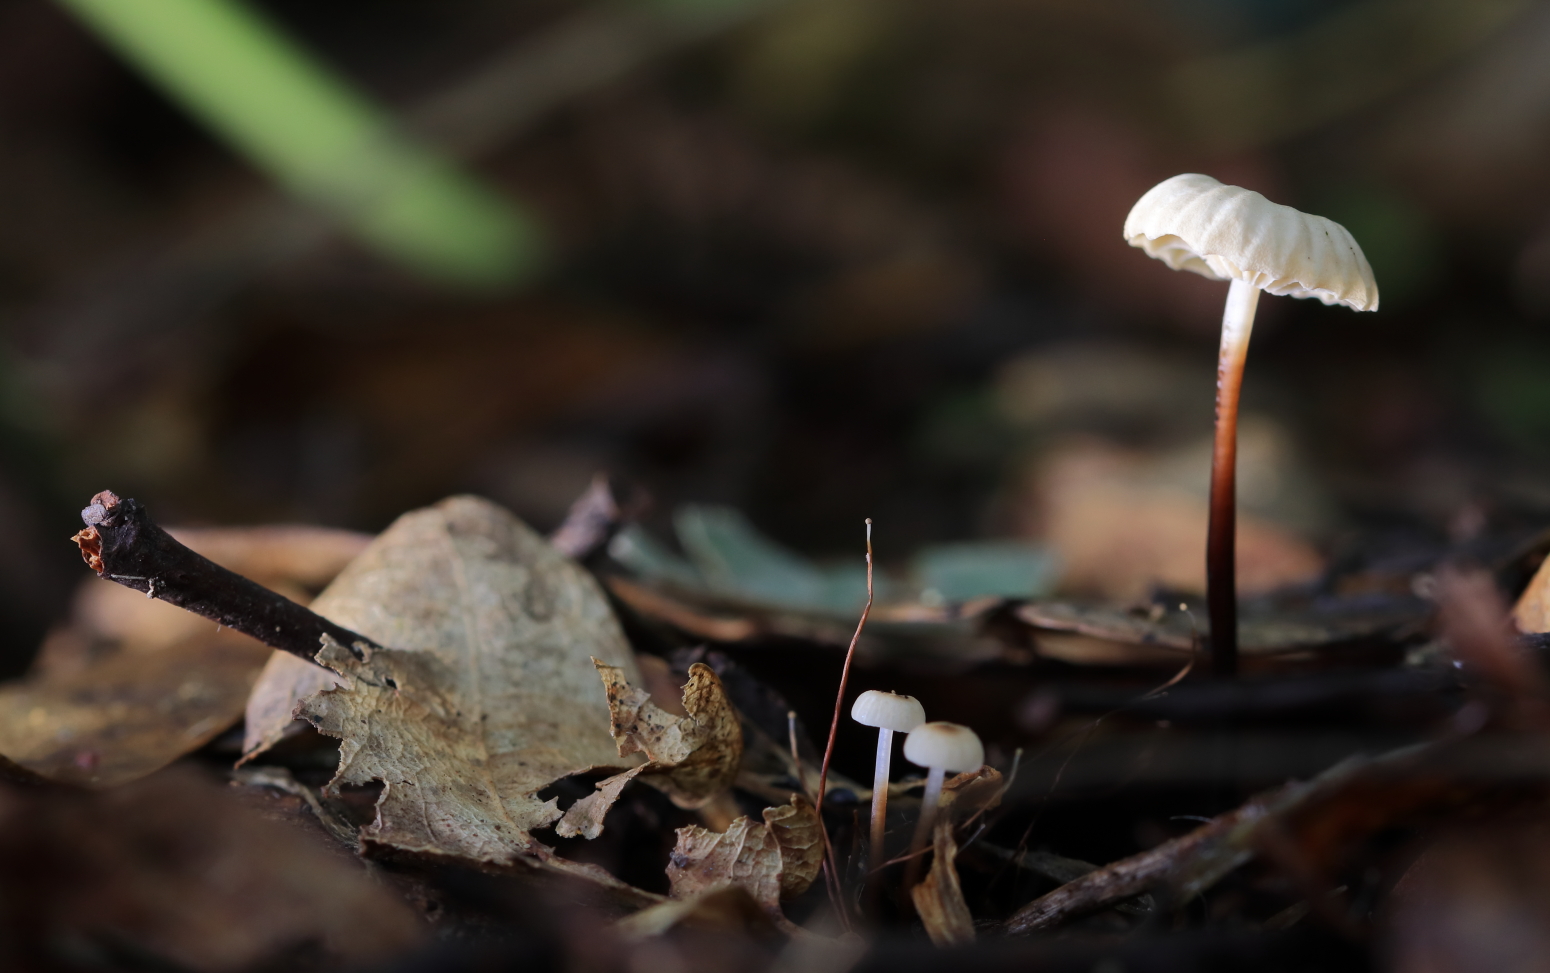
493,700
939,899
799,833
585,817
692,757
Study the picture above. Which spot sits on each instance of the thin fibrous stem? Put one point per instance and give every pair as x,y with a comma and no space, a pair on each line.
1221,535
796,756
834,729
122,544
880,798
929,801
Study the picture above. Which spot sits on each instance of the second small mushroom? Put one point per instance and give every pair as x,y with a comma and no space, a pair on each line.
938,747
890,713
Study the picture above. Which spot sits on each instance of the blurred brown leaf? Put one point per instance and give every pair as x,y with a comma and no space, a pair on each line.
939,899
1122,523
176,869
1476,624
1476,899
494,699
129,714
693,757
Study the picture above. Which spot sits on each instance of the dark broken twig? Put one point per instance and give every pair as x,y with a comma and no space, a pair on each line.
1351,800
122,544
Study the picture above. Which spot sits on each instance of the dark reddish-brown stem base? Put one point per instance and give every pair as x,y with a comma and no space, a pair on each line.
1221,547
1222,533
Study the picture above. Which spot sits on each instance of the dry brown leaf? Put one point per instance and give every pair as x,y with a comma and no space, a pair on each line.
128,714
939,899
493,700
776,859
175,869
692,757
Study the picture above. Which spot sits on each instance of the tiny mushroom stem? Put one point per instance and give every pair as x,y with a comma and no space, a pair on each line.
890,713
1192,222
938,747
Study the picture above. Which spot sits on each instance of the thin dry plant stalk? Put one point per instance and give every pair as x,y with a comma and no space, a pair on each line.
831,870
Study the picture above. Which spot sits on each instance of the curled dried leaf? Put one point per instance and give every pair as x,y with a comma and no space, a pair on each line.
799,833
692,757
939,899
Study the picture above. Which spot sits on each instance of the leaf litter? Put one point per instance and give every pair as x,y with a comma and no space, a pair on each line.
514,662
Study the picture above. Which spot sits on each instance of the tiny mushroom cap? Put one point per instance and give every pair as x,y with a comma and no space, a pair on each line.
1192,222
946,745
888,711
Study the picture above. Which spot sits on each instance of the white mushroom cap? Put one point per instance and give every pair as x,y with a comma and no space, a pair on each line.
1192,222
946,745
888,711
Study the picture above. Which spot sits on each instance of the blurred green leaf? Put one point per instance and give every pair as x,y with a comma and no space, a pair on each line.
738,561
1007,569
319,137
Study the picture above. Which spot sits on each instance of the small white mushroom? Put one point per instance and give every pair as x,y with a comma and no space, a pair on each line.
890,713
1192,222
938,747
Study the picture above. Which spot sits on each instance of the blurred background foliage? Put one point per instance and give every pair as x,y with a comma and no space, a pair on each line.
814,260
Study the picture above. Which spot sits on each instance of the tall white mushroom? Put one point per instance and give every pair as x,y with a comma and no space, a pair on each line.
938,747
1192,222
890,713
